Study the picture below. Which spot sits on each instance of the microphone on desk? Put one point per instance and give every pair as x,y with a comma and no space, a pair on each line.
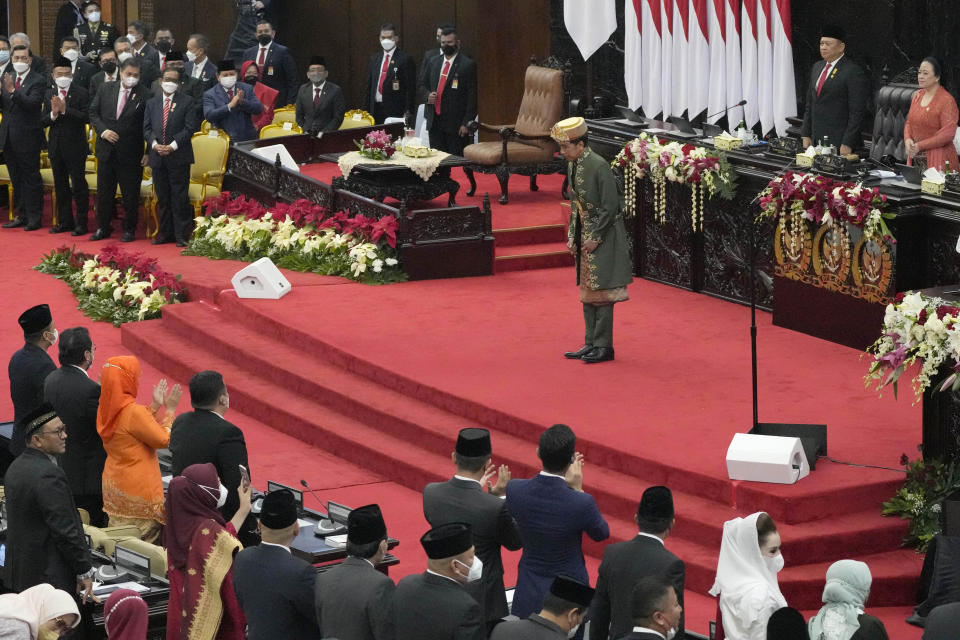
325,525
733,106
303,483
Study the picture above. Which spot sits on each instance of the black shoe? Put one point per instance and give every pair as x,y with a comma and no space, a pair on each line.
162,240
61,228
100,234
579,353
13,224
33,226
599,354
127,236
79,231
181,243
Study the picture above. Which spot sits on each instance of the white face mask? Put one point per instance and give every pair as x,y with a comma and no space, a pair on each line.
387,44
573,631
671,632
126,55
130,81
56,336
63,82
475,570
221,495
228,82
93,16
169,87
131,38
191,56
775,564
20,67
71,55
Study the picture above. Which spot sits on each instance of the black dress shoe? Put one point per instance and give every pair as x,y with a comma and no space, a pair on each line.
33,226
79,231
13,224
162,240
599,354
579,353
127,236
181,243
61,228
100,234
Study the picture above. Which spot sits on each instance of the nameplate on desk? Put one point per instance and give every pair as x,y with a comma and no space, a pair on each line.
130,559
105,589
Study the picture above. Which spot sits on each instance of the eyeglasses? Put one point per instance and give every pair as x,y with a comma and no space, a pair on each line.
61,432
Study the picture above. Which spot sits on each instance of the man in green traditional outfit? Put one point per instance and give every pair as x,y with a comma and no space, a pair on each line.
596,237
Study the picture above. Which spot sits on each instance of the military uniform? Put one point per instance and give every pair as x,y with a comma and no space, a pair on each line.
95,37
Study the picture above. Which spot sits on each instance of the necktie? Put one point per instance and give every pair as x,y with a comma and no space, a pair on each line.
261,60
16,85
163,127
823,77
383,73
316,96
230,94
63,94
123,102
163,62
443,81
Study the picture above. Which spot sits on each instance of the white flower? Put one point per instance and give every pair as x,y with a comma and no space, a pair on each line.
377,265
391,262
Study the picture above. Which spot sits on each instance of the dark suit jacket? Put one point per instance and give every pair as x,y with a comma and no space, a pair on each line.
21,114
103,116
640,636
458,105
465,501
533,628
208,76
99,79
67,136
839,110
623,565
203,436
83,71
431,607
275,591
182,121
66,22
428,56
402,70
28,369
189,86
552,518
75,398
279,71
236,122
45,541
355,601
327,116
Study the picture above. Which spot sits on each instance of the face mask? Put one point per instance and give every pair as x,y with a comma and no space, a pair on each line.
264,39
4,55
573,632
63,82
126,55
109,67
226,403
191,56
130,81
387,44
131,38
228,82
56,336
317,77
221,495
20,67
163,46
449,49
93,16
71,55
169,87
671,633
251,80
775,564
475,570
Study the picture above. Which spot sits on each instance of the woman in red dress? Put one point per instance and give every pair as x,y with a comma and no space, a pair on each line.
932,121
249,73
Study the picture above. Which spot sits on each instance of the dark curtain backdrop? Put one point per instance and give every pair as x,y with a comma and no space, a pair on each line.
887,37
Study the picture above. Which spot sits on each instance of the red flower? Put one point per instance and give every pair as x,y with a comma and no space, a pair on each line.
899,297
922,318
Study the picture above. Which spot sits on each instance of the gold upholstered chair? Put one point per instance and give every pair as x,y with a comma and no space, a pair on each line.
277,129
357,118
209,164
284,114
525,147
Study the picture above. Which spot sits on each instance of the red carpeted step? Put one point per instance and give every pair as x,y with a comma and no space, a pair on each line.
541,234
532,256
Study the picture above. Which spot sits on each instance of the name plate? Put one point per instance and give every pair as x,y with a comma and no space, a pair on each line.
804,160
933,188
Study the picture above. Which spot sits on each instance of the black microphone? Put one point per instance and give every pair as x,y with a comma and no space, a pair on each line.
303,483
733,106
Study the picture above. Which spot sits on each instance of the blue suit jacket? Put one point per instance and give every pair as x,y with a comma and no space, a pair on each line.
208,77
236,122
552,518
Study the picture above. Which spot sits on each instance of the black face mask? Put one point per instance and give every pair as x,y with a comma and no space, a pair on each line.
163,46
251,80
448,49
109,67
264,39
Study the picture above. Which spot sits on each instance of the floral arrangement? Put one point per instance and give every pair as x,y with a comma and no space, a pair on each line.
920,499
705,171
377,145
301,236
916,328
795,197
114,285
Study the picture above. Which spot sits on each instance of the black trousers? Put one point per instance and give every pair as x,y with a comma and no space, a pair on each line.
446,137
128,175
174,214
24,167
70,184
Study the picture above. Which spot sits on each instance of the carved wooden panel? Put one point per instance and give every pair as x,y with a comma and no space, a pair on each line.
448,224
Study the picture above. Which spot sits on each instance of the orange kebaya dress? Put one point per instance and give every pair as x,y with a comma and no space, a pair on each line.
933,127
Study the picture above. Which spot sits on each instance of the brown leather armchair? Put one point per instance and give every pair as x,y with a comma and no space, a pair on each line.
525,147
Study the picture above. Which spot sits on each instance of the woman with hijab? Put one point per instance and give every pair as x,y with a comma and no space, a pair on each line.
131,434
746,580
844,597
201,546
250,73
932,120
40,611
125,616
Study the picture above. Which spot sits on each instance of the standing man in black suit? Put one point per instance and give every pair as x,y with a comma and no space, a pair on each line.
29,367
656,610
188,86
391,79
69,17
21,136
564,608
163,44
108,71
137,33
434,605
320,103
76,398
81,69
274,589
451,87
353,599
116,113
462,499
625,563
198,65
836,97
66,110
428,56
171,118
277,68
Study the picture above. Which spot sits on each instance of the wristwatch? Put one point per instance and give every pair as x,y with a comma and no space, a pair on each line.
86,576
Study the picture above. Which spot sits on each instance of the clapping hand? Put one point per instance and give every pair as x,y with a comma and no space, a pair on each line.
159,394
57,105
237,98
574,476
173,398
503,477
8,82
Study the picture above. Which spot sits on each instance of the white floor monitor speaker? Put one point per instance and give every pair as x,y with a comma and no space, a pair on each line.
260,279
766,459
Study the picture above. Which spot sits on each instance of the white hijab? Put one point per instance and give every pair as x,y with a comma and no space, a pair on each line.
741,569
37,605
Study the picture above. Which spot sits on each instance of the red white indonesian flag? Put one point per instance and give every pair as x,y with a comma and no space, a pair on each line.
681,12
589,23
716,19
735,92
698,59
748,51
652,56
784,87
633,58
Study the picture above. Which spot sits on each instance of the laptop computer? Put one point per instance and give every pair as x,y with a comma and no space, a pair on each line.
630,117
911,174
684,128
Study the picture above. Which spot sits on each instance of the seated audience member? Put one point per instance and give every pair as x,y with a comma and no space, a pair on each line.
39,611
109,72
76,399
201,546
353,599
275,63
625,563
250,74
844,598
29,367
198,65
125,616
564,608
274,589
787,623
231,105
932,121
434,604
655,608
746,579
320,103
131,434
943,622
